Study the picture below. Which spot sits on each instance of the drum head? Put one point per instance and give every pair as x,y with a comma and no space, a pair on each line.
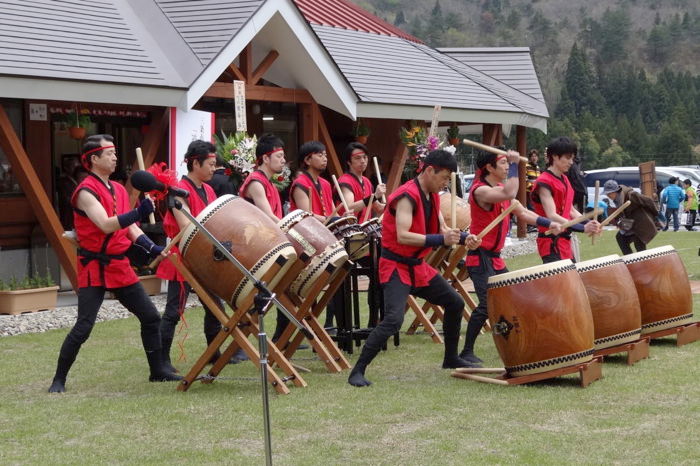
530,273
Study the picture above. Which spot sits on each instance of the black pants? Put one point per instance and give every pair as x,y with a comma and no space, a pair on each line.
396,294
177,296
480,278
624,242
691,220
132,297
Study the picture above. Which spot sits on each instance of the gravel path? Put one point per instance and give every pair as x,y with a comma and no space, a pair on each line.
62,317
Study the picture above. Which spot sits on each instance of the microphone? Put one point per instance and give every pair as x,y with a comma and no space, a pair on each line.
146,182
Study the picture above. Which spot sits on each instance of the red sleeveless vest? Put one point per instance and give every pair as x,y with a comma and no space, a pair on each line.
321,203
115,272
422,273
271,192
563,195
494,239
360,189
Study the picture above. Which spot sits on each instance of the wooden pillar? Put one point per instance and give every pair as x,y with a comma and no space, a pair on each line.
521,144
334,165
160,122
309,117
245,63
38,199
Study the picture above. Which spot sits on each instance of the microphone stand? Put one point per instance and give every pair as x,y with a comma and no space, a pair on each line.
261,302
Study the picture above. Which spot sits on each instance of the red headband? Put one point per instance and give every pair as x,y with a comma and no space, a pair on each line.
84,158
270,152
359,153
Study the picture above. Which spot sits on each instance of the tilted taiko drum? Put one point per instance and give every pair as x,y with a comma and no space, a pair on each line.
354,237
541,318
312,239
462,210
617,318
251,237
663,288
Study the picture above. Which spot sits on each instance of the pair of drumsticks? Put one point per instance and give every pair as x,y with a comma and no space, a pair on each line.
344,203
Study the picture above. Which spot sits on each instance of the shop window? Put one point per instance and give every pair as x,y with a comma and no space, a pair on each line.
9,185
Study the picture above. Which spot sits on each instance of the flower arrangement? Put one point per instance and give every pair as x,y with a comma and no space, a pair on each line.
238,150
282,180
419,145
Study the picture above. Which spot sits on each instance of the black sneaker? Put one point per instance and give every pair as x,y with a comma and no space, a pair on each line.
470,357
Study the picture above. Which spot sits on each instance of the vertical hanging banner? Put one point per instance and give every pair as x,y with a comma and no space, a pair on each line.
186,127
435,121
239,105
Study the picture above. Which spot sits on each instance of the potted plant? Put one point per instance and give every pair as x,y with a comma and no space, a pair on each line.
361,132
77,124
453,134
27,295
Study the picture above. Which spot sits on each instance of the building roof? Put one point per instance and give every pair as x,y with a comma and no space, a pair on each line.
510,65
393,71
345,14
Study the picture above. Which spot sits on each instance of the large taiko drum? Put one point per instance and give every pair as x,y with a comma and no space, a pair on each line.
541,318
311,238
348,230
663,288
617,318
251,236
462,210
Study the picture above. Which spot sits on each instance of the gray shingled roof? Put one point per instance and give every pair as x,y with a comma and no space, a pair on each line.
86,40
510,65
383,69
208,25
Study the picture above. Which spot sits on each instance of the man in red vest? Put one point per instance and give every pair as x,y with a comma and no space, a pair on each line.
309,191
260,191
257,187
413,225
357,188
201,163
489,196
553,197
106,228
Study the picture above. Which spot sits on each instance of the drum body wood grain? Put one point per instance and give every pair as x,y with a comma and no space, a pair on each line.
617,318
311,238
250,235
663,288
464,216
355,239
541,318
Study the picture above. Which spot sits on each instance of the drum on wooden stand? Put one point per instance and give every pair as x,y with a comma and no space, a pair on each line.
311,238
348,230
617,318
541,318
250,235
663,288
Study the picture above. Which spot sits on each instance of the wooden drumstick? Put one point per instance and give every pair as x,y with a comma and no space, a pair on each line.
513,205
368,210
340,194
617,212
335,211
167,249
379,175
595,206
139,160
580,219
453,203
493,150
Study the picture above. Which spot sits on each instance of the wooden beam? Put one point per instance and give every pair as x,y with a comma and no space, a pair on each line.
245,63
309,122
39,201
263,93
237,73
521,144
398,161
263,67
160,121
335,167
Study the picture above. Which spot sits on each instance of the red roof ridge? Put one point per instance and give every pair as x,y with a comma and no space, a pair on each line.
345,14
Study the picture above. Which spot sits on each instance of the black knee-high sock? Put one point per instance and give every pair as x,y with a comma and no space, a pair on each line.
473,329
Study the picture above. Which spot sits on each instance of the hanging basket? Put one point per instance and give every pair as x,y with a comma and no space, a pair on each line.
361,139
76,132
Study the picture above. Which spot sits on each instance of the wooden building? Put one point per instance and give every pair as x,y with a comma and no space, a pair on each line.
311,70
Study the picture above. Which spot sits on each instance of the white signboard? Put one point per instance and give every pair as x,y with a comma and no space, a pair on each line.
186,127
239,105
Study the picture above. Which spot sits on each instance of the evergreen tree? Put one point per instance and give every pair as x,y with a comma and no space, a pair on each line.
673,146
400,19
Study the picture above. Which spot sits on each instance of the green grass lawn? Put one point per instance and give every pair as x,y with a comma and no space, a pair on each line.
415,413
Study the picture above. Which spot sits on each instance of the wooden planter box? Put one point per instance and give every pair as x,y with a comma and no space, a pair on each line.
36,299
151,283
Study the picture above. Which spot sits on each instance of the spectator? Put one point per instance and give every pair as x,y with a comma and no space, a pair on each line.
636,223
671,197
220,182
691,204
